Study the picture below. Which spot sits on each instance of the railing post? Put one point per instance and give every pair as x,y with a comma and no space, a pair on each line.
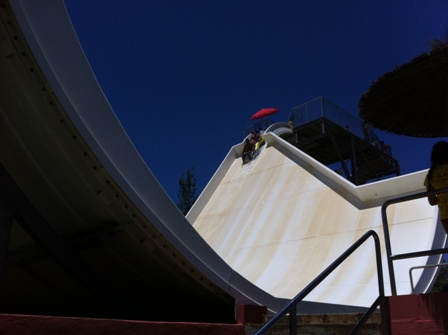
386,229
390,264
385,317
293,320
384,304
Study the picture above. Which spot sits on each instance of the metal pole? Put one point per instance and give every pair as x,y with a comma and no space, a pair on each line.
384,306
390,263
293,321
353,160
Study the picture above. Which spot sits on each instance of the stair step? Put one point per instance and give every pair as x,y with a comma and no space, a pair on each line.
419,314
323,324
14,324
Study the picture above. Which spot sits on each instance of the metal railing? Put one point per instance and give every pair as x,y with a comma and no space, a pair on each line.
390,257
423,267
291,307
323,108
260,125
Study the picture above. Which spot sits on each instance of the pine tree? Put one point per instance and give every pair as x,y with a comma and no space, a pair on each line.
187,191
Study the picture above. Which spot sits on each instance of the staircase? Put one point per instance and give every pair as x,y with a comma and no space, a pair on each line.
322,324
334,324
416,314
419,314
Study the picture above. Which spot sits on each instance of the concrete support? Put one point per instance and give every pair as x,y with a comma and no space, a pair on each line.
29,218
6,218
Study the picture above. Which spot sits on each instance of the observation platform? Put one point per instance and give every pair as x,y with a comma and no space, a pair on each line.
337,139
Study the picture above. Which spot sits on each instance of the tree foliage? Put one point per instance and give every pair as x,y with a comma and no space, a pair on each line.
187,191
441,283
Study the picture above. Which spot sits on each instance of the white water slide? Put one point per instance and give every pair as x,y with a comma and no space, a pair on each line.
259,233
281,219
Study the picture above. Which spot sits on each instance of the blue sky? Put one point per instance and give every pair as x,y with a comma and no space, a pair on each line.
185,76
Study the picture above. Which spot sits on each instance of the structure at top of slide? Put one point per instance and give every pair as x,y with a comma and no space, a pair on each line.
92,232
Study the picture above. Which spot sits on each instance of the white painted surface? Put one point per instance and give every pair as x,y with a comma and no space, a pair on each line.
283,218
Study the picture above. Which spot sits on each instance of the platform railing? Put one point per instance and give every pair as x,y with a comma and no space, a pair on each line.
390,257
291,307
323,108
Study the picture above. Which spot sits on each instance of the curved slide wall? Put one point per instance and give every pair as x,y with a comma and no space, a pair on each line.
90,194
281,219
64,149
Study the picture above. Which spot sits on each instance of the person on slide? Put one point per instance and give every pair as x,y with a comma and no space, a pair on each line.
247,151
